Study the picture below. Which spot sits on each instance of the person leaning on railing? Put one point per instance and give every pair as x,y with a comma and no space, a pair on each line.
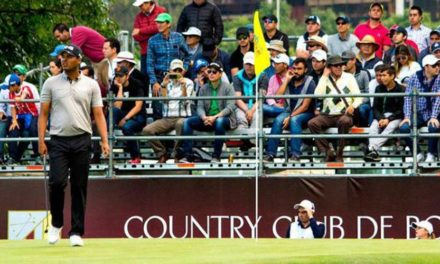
428,107
336,111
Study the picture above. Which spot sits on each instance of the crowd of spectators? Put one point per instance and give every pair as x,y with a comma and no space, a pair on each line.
188,62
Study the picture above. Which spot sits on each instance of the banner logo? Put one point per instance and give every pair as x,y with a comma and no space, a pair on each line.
27,224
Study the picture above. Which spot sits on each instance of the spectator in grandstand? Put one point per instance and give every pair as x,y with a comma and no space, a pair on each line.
174,85
362,79
272,33
405,65
313,30
387,113
5,117
245,83
144,26
314,43
87,39
162,49
424,230
337,111
22,71
376,81
126,59
88,71
307,227
130,116
398,37
299,110
434,37
343,40
207,17
213,115
201,69
219,56
55,67
367,56
69,99
250,28
57,50
275,48
417,32
274,107
319,57
24,119
106,68
428,108
374,28
192,38
244,46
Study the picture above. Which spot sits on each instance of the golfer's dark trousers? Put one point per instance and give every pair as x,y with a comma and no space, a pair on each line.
69,154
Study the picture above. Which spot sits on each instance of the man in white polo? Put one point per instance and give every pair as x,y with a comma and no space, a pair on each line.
306,227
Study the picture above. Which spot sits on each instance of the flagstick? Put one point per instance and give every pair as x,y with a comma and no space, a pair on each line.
257,161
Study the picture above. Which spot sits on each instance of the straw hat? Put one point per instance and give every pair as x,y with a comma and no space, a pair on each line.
317,40
277,45
368,39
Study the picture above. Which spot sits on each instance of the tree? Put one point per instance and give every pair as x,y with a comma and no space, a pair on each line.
26,27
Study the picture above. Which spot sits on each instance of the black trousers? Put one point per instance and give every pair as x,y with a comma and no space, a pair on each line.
69,154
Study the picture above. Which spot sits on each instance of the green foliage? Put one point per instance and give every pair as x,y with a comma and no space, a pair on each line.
26,28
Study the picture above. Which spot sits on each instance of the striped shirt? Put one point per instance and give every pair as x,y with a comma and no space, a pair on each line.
161,51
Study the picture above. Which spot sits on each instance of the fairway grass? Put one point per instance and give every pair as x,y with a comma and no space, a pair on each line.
129,251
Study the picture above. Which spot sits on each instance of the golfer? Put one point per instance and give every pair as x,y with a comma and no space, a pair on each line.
424,230
306,227
70,98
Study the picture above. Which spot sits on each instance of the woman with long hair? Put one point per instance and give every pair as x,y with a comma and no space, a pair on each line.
424,230
404,64
55,67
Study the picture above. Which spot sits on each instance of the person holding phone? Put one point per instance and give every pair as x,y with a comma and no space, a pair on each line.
174,85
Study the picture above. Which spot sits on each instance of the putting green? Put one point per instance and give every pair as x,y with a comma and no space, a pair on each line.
129,251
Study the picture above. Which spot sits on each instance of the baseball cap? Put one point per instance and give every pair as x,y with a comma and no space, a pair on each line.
176,64
72,50
281,58
125,56
216,66
376,4
12,79
306,204
271,17
348,55
242,31
192,31
121,71
423,224
82,65
435,46
319,55
164,17
314,19
20,69
435,31
429,60
140,2
398,29
344,19
57,50
248,58
250,27
200,63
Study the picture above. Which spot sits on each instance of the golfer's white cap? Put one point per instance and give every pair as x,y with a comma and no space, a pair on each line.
423,224
306,204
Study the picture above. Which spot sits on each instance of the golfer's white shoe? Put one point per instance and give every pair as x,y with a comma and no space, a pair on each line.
76,241
53,234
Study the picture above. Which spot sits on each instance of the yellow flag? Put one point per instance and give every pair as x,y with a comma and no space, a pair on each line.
262,57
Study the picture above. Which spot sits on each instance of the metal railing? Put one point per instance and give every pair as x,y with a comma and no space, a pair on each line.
258,132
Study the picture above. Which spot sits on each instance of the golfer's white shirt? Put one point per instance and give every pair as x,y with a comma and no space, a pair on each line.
297,232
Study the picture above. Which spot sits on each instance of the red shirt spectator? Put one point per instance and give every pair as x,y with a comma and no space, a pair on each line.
380,34
89,41
144,21
23,108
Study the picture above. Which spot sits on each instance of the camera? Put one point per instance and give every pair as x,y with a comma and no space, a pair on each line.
174,76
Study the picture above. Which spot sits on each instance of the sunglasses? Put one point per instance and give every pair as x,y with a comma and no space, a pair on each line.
212,72
341,23
435,65
242,37
312,45
403,57
268,21
119,74
337,65
178,70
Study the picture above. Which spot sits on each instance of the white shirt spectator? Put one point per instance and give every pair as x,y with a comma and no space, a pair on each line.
419,36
